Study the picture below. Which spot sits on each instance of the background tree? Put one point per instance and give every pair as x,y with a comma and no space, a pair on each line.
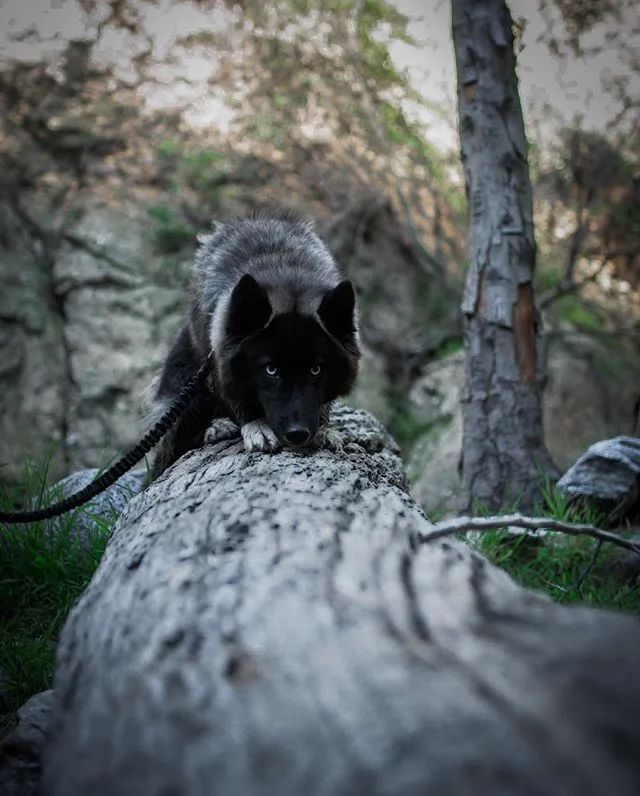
504,453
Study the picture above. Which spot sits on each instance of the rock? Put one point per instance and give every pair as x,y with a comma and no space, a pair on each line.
373,387
608,474
591,393
120,314
31,350
435,406
106,506
20,751
400,294
84,325
582,399
623,566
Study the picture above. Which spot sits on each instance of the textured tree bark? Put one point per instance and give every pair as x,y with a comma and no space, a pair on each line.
269,624
504,454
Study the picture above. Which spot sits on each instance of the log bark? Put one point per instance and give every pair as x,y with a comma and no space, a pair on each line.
270,624
504,453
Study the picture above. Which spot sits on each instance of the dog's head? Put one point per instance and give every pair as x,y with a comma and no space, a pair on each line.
285,367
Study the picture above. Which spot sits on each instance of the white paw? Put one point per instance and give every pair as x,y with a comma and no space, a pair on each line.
258,436
220,429
329,438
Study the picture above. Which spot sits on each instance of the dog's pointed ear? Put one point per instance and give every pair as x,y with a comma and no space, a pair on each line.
337,311
249,308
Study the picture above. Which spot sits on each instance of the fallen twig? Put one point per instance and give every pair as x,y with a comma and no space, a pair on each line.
483,524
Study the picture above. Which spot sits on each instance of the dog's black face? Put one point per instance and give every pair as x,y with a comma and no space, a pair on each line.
297,369
294,365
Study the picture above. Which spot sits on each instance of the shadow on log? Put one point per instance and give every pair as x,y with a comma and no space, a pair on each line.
266,624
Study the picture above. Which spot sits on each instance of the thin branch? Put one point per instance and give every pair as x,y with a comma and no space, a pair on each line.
484,524
577,240
578,584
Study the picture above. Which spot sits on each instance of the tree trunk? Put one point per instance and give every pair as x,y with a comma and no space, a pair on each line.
504,455
270,624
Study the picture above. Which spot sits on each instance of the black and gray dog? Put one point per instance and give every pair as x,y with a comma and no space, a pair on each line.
270,307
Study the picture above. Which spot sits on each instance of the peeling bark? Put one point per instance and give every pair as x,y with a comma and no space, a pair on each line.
524,330
504,453
270,624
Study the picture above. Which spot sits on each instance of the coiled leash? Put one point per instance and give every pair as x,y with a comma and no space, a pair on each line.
124,463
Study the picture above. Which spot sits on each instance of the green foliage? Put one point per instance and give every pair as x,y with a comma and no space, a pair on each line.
375,54
168,148
450,346
407,427
171,234
402,132
351,78
548,278
574,310
559,564
457,200
199,168
197,179
43,570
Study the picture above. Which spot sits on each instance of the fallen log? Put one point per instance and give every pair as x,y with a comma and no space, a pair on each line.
271,624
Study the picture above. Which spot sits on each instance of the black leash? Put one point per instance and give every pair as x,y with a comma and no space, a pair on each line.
123,465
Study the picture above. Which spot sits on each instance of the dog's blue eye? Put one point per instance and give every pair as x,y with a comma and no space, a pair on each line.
272,370
315,370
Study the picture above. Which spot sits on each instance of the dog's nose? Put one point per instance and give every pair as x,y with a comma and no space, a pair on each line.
298,435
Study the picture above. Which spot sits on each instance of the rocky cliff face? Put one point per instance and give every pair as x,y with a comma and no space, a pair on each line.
84,320
88,311
101,202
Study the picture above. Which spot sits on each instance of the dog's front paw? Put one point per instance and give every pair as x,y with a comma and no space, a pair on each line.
220,429
330,438
258,436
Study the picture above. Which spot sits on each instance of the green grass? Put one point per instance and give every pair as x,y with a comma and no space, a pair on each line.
43,570
562,566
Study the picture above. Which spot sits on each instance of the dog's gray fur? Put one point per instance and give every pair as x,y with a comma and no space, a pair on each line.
285,256
295,268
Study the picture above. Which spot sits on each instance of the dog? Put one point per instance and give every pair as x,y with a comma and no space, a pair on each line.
270,310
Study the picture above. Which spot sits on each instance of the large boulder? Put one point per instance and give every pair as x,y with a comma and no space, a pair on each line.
433,465
373,387
608,474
